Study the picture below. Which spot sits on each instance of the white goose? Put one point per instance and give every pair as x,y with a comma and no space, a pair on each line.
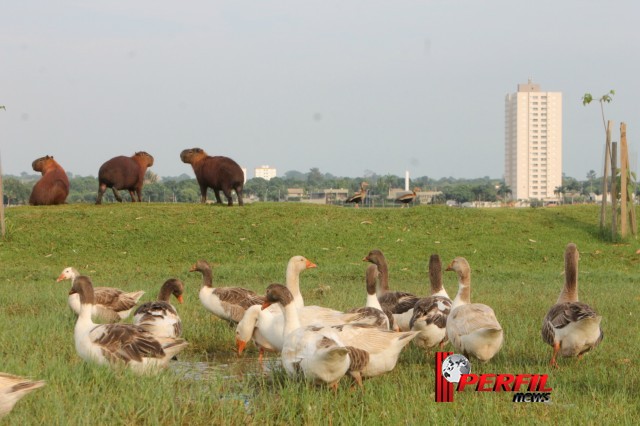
430,313
111,304
372,351
12,388
472,328
228,303
399,303
160,317
313,351
265,326
118,344
571,327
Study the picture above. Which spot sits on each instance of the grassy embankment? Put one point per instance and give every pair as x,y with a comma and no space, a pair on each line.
516,258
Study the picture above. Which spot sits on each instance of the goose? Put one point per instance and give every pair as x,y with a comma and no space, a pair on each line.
111,304
127,345
430,313
295,266
313,351
372,306
255,322
228,303
264,327
359,196
472,328
160,317
372,351
399,303
12,388
571,327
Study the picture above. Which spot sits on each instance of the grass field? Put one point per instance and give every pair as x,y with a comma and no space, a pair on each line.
516,256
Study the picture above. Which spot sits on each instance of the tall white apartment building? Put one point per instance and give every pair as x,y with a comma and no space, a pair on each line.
265,172
533,142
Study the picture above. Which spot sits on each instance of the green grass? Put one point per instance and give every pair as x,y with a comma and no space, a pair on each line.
516,256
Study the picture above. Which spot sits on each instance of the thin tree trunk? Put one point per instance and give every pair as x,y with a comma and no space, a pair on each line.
631,206
607,160
614,196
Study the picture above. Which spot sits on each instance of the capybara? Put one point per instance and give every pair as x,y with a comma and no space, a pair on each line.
53,187
124,173
218,173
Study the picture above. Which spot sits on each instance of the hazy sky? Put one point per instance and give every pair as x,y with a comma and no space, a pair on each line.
349,87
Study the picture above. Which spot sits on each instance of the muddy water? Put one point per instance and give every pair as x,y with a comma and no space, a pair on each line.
225,367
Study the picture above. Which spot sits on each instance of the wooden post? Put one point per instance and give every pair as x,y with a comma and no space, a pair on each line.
614,190
607,160
624,231
631,206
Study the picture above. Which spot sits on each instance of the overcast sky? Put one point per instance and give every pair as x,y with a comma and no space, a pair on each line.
349,87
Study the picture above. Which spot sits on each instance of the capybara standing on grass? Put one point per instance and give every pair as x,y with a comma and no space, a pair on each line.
218,173
53,188
124,173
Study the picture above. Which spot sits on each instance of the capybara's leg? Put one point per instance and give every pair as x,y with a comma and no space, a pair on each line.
116,194
239,194
101,189
227,194
217,194
203,194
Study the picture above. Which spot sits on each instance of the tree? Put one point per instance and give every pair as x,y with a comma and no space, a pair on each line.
591,176
504,191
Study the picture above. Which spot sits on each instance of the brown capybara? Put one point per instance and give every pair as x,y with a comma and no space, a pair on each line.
124,173
218,173
53,187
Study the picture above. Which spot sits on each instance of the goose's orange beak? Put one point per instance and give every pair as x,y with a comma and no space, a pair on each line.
192,269
265,305
61,278
240,344
310,264
180,299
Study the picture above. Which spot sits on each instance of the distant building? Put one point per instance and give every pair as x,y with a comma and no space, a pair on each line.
533,142
265,172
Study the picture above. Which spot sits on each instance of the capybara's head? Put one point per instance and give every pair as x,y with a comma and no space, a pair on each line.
192,154
39,164
146,158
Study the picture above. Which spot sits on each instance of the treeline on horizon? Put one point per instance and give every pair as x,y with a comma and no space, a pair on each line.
185,189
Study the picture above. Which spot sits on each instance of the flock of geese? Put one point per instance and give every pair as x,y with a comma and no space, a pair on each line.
319,343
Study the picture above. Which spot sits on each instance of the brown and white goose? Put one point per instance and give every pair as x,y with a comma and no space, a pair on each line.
571,327
372,305
399,303
160,317
12,388
116,345
111,304
430,313
472,328
228,303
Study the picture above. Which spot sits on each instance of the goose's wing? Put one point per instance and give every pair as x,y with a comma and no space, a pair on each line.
561,315
126,342
431,310
238,296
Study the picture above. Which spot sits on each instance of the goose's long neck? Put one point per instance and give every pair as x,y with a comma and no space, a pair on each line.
293,284
464,290
207,277
291,319
569,292
384,279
